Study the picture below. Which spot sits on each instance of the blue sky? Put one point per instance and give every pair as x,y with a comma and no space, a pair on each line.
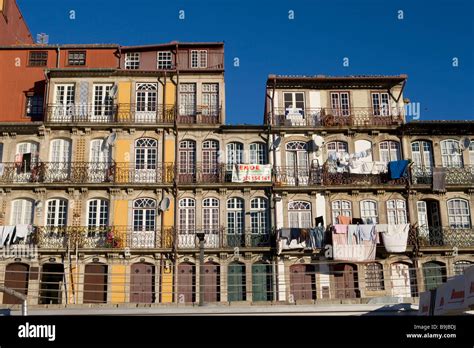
316,41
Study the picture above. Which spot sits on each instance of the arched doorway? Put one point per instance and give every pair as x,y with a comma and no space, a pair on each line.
262,282
434,274
186,282
95,283
302,282
211,282
52,280
142,283
346,281
236,282
16,278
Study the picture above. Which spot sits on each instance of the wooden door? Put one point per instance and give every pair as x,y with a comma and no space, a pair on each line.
16,278
95,283
433,274
302,283
186,283
142,283
345,280
211,282
236,282
262,287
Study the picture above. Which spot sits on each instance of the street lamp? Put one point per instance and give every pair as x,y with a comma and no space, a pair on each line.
200,236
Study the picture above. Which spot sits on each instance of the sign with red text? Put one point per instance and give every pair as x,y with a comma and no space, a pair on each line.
252,173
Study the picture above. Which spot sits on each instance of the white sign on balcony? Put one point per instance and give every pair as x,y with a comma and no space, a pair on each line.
252,173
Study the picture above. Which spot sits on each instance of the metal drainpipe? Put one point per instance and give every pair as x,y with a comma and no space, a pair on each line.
24,308
46,96
58,58
175,186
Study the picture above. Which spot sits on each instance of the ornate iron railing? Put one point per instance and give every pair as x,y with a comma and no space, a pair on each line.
297,176
454,175
87,172
138,113
332,117
446,236
107,237
222,237
199,114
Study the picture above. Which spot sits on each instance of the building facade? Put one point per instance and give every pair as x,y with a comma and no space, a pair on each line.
114,159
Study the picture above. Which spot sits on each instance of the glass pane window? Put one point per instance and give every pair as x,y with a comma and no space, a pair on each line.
165,60
235,216
132,60
396,211
340,207
258,153
76,58
98,213
389,151
374,277
22,212
38,58
369,212
259,219
451,154
199,59
459,215
56,212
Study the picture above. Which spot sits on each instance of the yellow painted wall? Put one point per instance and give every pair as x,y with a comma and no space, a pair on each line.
122,157
170,93
120,212
168,216
118,283
124,100
167,286
73,284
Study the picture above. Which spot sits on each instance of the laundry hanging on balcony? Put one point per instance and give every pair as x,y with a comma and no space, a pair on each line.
397,169
354,242
301,238
394,237
14,234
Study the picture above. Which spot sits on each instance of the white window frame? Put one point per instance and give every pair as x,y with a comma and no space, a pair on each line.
187,216
235,153
340,207
141,211
132,60
389,151
369,211
22,211
340,103
459,217
422,153
235,215
198,59
258,153
451,154
259,219
97,212
396,211
56,212
164,60
299,214
380,103
210,215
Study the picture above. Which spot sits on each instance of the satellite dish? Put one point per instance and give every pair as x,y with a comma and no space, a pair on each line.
464,143
113,91
276,143
111,139
165,204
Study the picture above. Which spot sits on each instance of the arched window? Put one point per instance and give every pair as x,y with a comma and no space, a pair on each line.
258,153
460,266
235,215
340,207
100,151
337,149
259,218
210,215
369,212
187,215
422,153
27,153
56,212
396,211
459,215
144,214
374,276
146,96
22,212
97,212
299,214
235,153
451,154
210,150
187,157
146,150
60,151
389,151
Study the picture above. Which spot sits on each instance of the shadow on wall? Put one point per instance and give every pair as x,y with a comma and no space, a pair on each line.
395,309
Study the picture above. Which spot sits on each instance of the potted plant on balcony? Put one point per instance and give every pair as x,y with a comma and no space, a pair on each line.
112,240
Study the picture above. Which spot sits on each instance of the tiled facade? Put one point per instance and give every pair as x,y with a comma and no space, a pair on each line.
128,162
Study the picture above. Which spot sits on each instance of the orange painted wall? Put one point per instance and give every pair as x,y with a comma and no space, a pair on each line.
17,78
13,28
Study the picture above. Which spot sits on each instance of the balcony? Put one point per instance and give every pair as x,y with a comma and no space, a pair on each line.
110,237
111,113
86,173
454,175
199,114
445,237
329,117
297,176
221,238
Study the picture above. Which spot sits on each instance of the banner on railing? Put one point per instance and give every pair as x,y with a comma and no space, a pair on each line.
252,173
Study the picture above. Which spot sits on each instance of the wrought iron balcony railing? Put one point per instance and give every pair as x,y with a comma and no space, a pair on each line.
107,237
86,172
445,237
141,113
332,117
297,176
454,175
197,114
222,237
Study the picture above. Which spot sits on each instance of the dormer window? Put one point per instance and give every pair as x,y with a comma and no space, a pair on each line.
199,59
132,60
164,60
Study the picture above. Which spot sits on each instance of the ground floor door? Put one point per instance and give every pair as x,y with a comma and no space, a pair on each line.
16,278
262,282
52,280
302,282
142,283
95,283
236,282
345,278
186,283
